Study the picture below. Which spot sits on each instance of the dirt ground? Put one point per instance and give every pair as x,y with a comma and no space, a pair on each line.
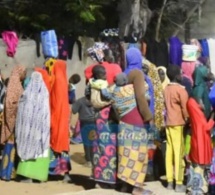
81,184
79,174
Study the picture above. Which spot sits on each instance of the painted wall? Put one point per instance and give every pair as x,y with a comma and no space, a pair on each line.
26,55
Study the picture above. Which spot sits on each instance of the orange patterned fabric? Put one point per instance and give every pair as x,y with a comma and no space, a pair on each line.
60,111
14,92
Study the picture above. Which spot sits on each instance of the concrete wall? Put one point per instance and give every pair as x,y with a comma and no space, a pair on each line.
26,55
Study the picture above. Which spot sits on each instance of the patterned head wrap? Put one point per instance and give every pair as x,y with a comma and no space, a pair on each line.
113,32
96,52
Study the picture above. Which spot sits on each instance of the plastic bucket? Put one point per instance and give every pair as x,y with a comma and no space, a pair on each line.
190,53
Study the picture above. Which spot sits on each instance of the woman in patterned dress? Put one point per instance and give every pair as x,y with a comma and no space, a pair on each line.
104,139
13,93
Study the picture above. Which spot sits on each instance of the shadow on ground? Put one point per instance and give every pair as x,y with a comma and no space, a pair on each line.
84,181
78,158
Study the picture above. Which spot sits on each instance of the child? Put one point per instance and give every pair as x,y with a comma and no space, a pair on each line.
176,98
74,79
87,124
96,85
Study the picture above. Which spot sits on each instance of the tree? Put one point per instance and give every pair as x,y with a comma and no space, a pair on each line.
134,16
139,18
177,13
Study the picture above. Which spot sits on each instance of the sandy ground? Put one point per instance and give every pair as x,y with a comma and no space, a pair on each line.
81,184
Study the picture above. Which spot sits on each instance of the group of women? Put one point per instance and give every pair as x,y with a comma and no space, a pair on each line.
131,159
35,124
35,120
124,159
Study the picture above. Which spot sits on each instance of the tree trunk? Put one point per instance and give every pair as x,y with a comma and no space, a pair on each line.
189,15
134,16
157,33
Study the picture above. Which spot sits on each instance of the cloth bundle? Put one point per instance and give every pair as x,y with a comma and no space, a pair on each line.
96,52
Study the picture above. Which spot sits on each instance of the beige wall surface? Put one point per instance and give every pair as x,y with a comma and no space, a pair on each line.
26,55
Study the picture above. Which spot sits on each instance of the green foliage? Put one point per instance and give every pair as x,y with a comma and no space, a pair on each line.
65,16
83,17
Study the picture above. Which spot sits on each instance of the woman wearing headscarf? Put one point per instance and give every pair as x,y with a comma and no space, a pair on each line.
33,130
188,69
201,152
13,93
134,61
163,76
134,66
158,93
151,70
133,111
104,161
200,90
60,113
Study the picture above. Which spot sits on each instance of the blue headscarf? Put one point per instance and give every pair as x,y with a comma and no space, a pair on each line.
134,61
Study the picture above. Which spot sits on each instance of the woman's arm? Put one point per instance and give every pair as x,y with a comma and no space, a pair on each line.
136,78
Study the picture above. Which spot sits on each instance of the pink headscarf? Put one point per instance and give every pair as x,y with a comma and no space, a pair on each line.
188,69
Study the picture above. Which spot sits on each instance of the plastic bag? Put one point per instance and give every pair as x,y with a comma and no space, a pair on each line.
49,43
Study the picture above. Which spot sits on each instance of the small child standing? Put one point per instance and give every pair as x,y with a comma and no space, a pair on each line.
87,124
176,98
73,80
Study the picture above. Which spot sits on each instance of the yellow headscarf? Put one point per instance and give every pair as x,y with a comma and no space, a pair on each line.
166,79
